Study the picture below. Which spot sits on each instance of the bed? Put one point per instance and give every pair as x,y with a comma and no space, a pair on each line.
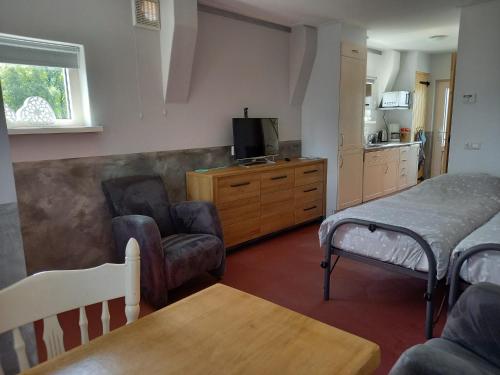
413,232
482,266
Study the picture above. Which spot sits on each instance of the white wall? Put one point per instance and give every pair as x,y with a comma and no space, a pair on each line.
236,65
440,69
320,109
411,62
478,71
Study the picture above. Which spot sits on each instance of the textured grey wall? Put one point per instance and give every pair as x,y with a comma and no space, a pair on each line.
12,269
64,219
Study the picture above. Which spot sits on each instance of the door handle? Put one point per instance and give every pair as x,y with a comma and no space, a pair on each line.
279,177
309,190
386,169
240,184
341,162
341,139
311,171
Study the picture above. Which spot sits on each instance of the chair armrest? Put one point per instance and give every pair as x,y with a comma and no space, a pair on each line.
154,286
196,217
473,323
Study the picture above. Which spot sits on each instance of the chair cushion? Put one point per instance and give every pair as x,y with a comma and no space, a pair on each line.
140,195
474,321
189,255
441,357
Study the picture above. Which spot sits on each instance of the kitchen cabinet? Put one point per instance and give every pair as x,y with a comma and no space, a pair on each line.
351,112
350,186
352,94
389,170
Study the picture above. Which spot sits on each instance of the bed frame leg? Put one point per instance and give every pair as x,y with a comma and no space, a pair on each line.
326,264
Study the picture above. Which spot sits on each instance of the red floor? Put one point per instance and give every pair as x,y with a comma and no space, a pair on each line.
383,307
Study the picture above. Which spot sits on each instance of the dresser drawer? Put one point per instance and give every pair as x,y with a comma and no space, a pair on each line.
309,174
233,214
403,153
238,187
381,157
276,222
308,193
308,211
242,231
276,196
281,179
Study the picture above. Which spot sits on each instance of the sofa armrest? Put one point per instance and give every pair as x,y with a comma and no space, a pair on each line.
196,217
154,286
473,323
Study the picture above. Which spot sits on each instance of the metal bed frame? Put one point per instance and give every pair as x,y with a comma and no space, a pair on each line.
457,266
430,276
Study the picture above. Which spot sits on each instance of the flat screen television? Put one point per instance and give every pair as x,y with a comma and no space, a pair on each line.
255,138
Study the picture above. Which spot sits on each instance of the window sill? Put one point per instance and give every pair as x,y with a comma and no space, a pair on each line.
55,130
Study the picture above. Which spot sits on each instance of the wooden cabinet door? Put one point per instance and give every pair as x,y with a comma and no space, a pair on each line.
413,165
373,186
390,177
352,94
350,181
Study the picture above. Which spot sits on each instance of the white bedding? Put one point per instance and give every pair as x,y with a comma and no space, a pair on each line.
483,266
443,210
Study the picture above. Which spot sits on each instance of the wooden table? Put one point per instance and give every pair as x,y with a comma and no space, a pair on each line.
220,330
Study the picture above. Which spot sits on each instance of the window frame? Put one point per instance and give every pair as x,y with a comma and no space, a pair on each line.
78,96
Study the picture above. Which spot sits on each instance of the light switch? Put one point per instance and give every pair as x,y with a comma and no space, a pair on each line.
473,146
469,98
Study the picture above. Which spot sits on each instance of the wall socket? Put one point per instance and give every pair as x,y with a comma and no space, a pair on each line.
469,98
473,146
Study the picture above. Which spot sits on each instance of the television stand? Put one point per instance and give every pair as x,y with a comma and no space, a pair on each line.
253,162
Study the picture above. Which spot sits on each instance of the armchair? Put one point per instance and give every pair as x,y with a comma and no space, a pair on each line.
178,241
470,343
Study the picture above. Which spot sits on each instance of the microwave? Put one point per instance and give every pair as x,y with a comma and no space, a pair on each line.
395,99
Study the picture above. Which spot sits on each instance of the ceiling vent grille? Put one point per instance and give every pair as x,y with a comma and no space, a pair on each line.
146,13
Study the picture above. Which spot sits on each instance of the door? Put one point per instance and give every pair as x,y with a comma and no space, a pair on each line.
350,185
373,185
352,96
390,177
422,82
439,129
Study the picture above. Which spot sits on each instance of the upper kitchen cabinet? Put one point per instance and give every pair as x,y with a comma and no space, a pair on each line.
352,95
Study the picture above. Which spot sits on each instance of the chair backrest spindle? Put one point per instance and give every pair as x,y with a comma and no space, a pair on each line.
44,295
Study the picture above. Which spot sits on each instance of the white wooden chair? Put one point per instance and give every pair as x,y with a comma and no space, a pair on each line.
45,294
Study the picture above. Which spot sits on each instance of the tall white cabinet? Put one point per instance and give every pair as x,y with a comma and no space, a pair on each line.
351,112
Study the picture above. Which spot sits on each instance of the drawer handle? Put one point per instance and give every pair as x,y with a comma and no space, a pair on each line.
279,177
309,190
311,171
355,51
310,208
404,159
240,184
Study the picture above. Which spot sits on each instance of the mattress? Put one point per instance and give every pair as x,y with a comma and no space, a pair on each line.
442,210
484,266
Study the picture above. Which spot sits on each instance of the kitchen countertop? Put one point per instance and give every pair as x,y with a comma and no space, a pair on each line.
379,146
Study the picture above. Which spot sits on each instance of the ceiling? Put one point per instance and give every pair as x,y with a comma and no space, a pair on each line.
391,24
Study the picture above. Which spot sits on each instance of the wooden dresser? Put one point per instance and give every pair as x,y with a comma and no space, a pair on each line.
258,200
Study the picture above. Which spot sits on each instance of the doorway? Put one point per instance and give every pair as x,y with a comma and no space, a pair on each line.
440,128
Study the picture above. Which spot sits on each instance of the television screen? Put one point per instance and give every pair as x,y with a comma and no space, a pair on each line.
255,137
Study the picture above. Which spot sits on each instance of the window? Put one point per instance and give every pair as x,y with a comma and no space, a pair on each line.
43,83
